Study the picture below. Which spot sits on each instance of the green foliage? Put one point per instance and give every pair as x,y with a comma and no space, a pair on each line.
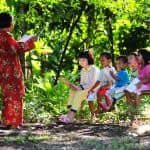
21,139
3,6
44,100
71,26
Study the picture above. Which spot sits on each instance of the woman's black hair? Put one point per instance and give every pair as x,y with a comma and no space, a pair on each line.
106,54
5,20
88,55
145,55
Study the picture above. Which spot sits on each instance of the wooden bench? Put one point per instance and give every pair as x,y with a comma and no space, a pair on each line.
147,92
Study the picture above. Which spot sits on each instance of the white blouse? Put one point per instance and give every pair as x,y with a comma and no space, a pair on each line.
89,76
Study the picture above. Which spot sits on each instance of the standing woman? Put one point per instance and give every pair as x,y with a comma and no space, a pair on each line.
11,77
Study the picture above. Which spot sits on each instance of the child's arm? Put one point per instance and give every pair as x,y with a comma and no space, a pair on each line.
94,86
115,77
107,85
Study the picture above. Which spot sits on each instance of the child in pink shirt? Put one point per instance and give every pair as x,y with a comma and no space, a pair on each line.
143,73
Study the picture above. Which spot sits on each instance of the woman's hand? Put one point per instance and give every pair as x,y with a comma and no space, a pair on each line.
21,45
34,38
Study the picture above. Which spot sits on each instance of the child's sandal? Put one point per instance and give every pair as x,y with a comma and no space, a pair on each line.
62,116
65,120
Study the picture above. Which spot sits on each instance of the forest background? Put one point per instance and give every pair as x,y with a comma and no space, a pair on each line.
69,27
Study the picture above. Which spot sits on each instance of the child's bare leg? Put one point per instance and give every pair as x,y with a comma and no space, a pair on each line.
71,115
91,107
138,100
109,102
82,104
137,121
129,98
99,99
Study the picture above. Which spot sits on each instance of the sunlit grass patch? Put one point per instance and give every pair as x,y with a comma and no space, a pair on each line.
23,139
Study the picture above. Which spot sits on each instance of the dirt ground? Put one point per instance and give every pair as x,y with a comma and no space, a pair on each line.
79,136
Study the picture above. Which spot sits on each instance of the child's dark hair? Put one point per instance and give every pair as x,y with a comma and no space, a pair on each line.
5,20
134,54
88,55
123,58
145,55
106,54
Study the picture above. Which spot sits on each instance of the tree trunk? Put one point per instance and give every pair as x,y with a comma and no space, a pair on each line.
108,23
110,36
22,56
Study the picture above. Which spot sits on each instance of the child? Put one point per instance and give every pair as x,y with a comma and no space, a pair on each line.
122,79
143,73
89,74
130,89
105,80
11,80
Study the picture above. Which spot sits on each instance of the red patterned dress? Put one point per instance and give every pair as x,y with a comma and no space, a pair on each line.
11,78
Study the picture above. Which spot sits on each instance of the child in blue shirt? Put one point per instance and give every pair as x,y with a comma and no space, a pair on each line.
122,79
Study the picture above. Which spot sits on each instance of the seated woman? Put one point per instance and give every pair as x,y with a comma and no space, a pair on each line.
88,76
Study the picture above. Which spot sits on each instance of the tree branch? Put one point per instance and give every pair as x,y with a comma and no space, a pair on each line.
67,43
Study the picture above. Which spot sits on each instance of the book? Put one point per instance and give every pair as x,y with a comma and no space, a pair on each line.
120,89
66,81
132,86
26,37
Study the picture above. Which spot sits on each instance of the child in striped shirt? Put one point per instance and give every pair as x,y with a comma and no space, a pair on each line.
89,74
105,80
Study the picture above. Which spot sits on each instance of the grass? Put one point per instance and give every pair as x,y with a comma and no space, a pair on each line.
123,143
119,143
20,139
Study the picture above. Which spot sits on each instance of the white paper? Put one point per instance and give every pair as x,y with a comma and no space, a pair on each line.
120,89
135,81
92,96
25,38
132,86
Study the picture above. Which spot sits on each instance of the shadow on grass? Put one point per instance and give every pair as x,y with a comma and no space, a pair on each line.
74,136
